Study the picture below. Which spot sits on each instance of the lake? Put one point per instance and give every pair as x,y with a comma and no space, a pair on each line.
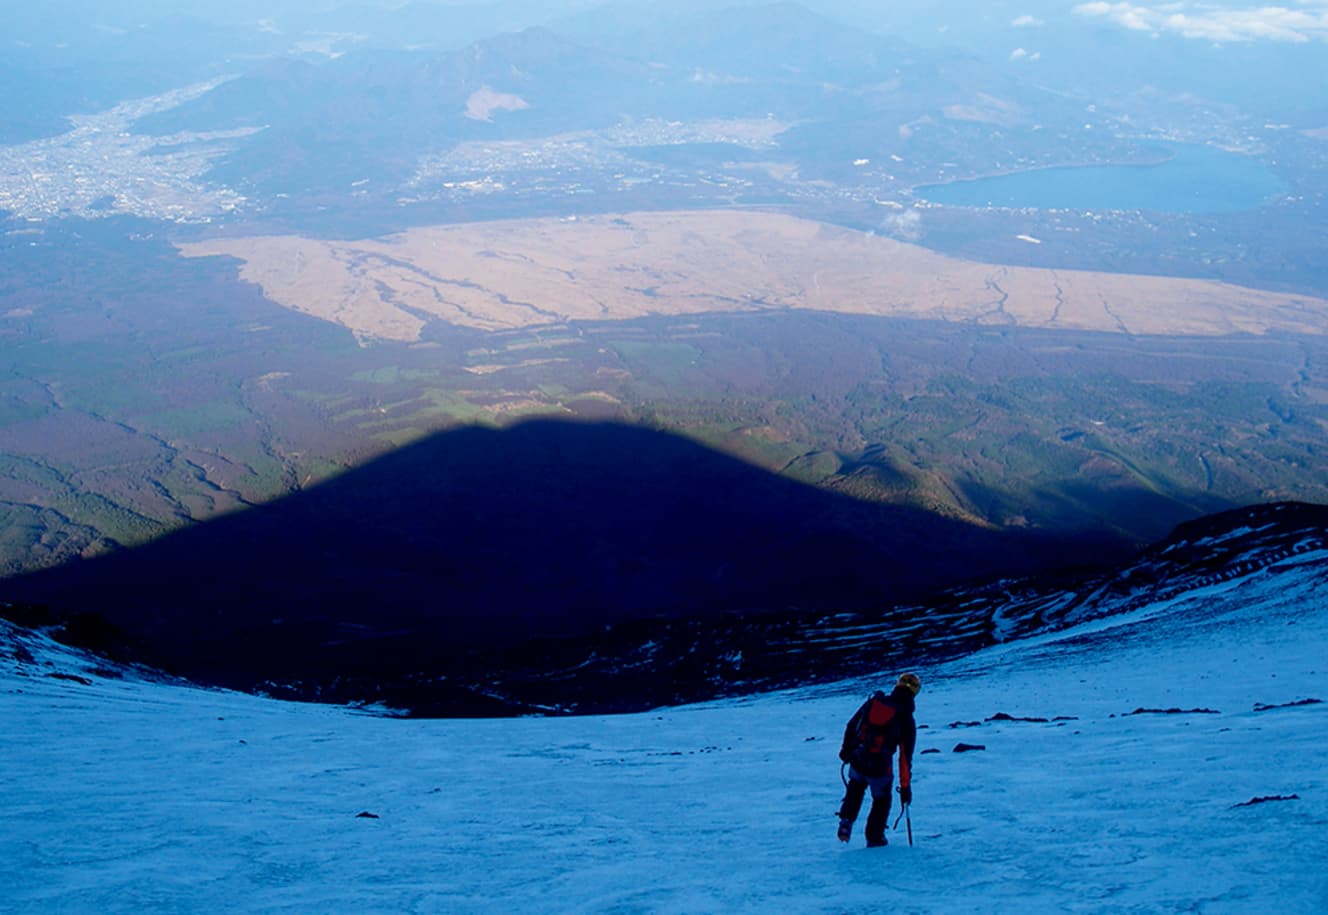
1194,179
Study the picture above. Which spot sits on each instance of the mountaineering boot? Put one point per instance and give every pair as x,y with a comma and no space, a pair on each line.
845,830
877,842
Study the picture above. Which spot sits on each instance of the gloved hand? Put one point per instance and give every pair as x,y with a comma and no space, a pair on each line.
905,794
845,755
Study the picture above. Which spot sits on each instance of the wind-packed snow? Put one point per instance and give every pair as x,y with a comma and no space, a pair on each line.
125,795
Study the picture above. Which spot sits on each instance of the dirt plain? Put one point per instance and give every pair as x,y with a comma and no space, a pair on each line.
526,273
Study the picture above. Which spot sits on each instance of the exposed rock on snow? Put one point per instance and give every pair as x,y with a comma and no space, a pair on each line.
1261,707
1264,800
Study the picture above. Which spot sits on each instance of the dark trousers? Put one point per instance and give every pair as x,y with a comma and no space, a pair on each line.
879,814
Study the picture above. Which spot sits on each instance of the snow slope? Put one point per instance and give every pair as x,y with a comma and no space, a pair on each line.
129,795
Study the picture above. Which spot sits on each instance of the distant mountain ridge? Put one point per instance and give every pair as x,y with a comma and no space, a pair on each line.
775,41
376,112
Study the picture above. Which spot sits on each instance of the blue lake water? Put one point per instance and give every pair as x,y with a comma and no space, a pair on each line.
1195,179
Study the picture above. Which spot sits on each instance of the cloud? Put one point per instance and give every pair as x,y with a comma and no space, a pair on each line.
1269,23
1024,22
1137,18
905,225
1022,54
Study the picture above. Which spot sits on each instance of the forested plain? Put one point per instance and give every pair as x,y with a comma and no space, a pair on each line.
144,393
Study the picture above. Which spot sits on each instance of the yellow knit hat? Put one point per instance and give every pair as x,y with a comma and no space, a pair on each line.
910,682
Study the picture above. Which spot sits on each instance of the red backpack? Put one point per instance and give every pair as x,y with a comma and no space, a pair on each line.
875,730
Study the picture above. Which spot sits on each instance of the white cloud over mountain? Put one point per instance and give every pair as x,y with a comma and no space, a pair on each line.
1274,23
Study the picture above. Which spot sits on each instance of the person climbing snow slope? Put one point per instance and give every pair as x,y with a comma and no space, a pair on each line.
881,726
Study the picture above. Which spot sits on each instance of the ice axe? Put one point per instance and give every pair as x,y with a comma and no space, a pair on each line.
903,815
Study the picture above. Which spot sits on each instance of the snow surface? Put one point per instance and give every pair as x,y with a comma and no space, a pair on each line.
133,796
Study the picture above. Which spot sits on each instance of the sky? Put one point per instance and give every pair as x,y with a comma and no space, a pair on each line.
1302,22
1295,21
123,795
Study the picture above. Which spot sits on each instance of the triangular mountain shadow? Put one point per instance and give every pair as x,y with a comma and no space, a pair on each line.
479,538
